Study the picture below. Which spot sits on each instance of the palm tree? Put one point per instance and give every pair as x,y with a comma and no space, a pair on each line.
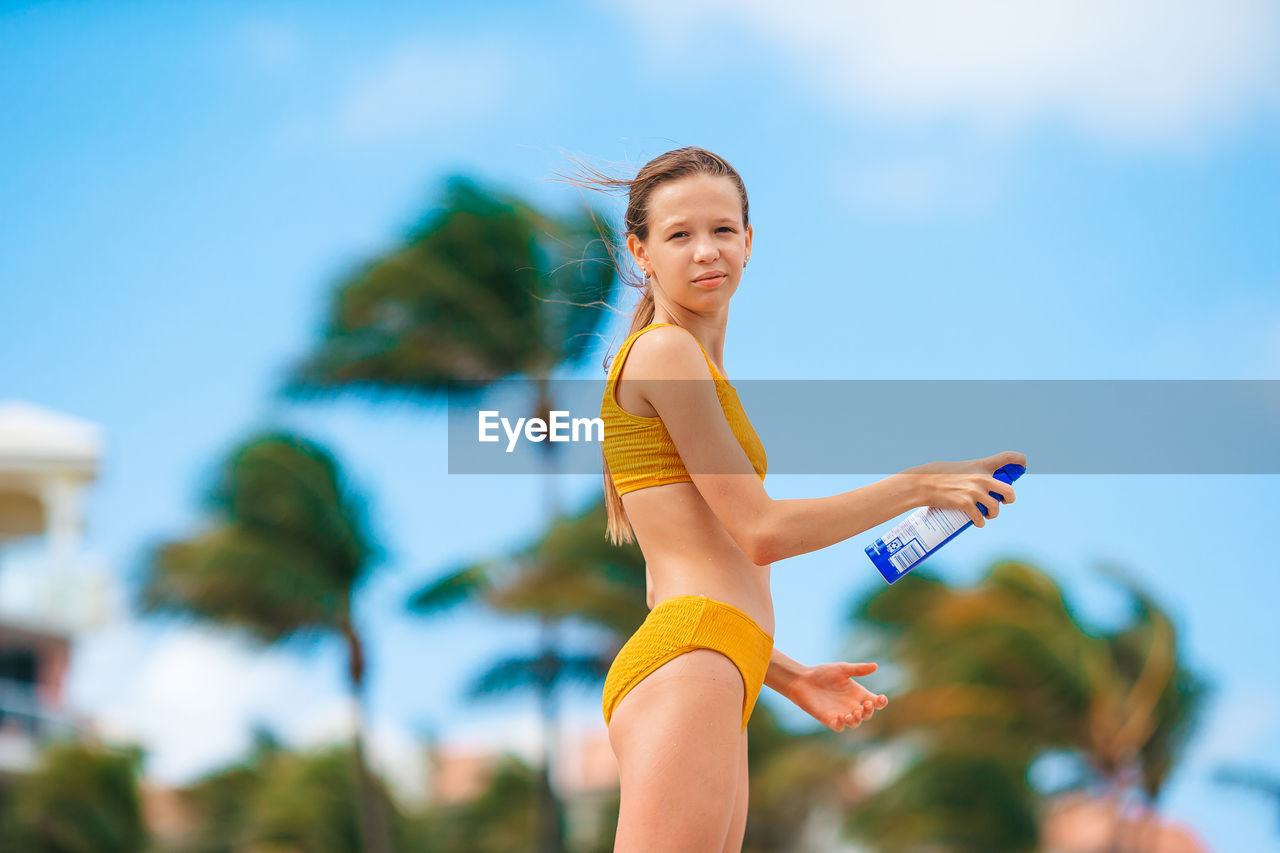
304,803
485,288
571,572
79,797
1006,672
954,797
280,800
283,556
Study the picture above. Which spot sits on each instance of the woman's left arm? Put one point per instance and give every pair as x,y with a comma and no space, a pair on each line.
783,673
827,692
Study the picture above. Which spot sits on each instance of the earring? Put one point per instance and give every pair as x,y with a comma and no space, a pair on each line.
744,263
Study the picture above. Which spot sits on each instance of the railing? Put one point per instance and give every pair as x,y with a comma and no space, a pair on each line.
21,711
35,590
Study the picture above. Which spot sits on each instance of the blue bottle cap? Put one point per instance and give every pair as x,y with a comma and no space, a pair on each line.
1005,474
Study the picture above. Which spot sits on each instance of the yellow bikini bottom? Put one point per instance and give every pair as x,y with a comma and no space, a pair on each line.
681,624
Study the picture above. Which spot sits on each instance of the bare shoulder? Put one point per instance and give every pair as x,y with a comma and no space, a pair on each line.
667,352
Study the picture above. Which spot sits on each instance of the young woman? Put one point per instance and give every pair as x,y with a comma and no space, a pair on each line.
684,474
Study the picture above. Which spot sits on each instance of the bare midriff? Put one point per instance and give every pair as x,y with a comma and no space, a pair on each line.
688,551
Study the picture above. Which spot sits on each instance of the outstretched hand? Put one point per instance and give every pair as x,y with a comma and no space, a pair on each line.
831,696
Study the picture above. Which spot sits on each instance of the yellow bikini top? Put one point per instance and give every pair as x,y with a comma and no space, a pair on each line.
639,450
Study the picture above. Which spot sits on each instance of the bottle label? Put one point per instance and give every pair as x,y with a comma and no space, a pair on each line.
924,530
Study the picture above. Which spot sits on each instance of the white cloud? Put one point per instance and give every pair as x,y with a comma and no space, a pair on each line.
422,86
189,697
1124,70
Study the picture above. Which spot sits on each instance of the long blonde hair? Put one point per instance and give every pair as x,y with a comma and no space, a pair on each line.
673,165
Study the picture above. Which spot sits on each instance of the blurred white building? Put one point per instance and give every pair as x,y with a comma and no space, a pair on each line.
49,590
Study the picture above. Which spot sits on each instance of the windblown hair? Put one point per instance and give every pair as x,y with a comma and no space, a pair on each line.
671,166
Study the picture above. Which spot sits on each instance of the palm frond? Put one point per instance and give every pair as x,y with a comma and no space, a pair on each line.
451,589
235,577
484,288
544,673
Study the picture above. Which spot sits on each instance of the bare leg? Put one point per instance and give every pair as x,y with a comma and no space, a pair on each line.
678,740
738,824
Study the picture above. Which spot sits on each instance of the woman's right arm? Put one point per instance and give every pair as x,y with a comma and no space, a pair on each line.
801,525
765,529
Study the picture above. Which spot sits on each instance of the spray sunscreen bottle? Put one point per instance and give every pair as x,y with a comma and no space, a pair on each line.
925,531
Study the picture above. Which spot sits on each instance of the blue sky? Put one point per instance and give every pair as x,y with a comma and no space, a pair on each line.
1057,191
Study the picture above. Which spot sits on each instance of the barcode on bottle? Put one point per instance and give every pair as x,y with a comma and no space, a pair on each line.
907,555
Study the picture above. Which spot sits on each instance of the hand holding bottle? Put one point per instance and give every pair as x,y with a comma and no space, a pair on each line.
965,485
955,492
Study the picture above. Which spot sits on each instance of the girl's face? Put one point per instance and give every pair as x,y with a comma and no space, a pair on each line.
697,243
